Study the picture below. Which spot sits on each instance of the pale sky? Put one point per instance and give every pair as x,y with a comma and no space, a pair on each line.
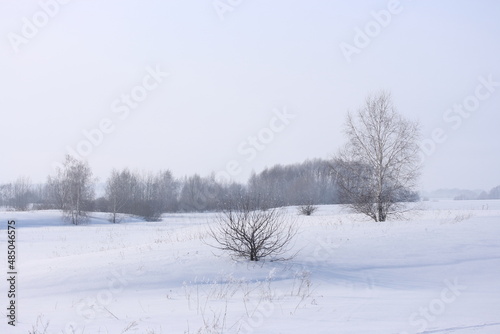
101,67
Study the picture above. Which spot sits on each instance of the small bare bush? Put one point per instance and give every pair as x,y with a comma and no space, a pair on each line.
253,233
307,210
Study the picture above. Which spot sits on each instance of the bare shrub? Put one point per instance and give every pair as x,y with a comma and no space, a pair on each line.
307,210
253,233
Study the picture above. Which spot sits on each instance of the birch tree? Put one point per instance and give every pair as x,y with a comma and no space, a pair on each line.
377,170
73,189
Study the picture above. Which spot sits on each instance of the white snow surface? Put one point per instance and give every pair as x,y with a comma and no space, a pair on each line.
436,271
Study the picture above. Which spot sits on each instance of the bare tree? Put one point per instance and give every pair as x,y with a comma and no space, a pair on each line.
117,193
253,234
56,192
166,192
22,192
73,189
378,167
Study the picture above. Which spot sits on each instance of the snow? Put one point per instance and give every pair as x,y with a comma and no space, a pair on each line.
437,271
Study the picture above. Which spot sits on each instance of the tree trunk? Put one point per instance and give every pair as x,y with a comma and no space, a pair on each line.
381,213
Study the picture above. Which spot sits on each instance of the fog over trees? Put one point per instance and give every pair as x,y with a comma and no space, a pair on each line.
375,173
150,194
18,195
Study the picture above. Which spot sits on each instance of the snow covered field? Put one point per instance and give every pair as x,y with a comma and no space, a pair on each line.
436,272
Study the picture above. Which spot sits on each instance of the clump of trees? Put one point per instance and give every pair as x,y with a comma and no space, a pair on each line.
18,195
494,193
377,169
72,190
147,195
310,182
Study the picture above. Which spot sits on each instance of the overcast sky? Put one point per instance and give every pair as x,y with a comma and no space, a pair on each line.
202,86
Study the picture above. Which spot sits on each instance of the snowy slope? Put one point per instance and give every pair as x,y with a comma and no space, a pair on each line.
436,272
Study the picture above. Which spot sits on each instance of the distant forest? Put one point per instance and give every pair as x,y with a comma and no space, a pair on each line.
463,194
150,194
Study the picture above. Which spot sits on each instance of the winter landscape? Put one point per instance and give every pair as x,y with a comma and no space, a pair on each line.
246,167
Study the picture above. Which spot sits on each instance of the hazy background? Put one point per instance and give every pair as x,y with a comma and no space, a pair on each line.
227,76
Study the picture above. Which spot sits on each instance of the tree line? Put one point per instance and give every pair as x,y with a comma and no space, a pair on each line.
494,193
72,189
